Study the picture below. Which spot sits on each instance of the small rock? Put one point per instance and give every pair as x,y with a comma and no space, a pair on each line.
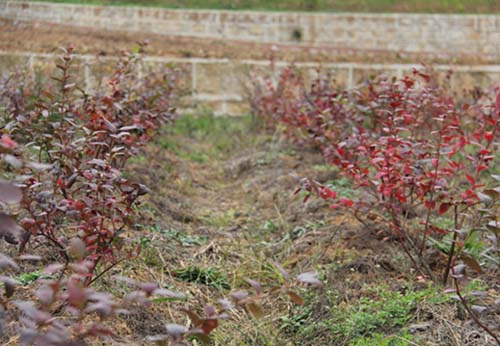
419,327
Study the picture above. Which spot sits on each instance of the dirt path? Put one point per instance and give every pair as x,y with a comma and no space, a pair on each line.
222,201
221,207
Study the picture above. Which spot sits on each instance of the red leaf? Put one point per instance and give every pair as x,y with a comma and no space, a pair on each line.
402,198
208,325
60,183
346,202
481,168
326,193
443,208
76,294
488,136
471,180
79,205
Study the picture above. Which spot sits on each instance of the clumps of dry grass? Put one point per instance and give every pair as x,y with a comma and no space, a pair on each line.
229,226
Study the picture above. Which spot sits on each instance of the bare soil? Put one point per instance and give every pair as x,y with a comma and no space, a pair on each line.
42,37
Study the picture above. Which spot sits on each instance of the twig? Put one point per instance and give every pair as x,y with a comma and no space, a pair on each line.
452,249
472,314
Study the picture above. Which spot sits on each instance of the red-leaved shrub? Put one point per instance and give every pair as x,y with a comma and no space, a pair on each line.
415,151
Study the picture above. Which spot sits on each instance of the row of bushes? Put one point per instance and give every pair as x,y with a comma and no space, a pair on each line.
416,152
63,155
67,205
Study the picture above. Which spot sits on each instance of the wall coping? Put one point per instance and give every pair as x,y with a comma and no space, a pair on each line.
368,66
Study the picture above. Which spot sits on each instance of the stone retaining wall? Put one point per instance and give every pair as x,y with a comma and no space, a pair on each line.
416,33
220,84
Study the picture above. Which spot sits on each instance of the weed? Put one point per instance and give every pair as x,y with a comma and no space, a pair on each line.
297,320
473,245
224,135
184,238
344,187
363,320
28,278
220,220
299,231
205,276
270,227
377,339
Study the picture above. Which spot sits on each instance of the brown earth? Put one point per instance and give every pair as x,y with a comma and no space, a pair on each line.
41,37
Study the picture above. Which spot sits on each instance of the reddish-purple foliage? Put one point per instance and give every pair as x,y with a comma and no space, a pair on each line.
65,152
414,150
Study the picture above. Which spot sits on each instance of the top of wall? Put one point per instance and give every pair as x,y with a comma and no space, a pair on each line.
450,34
265,12
272,13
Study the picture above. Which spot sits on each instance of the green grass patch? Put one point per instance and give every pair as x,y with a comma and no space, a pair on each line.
183,238
377,339
220,220
473,246
216,136
377,318
205,276
344,187
26,279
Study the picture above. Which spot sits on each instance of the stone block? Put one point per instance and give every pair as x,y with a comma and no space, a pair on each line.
237,108
183,73
219,78
463,82
44,68
13,63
